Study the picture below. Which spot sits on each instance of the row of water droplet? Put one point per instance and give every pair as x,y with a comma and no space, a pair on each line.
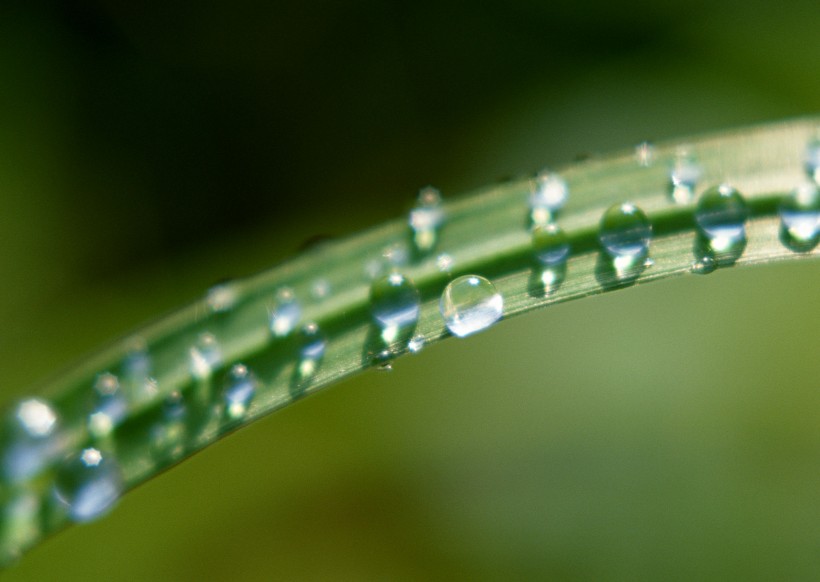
87,483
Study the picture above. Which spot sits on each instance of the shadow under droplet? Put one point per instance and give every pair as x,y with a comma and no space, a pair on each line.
612,275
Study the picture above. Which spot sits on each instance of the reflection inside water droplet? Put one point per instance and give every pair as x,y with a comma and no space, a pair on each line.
684,177
205,356
800,215
240,388
394,304
30,440
285,313
549,195
88,484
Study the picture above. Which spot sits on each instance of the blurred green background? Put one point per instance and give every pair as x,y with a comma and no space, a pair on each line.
150,150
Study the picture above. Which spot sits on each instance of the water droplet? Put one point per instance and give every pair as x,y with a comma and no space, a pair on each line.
312,349
470,304
394,304
800,213
20,526
205,356
137,383
812,159
721,217
625,232
240,388
704,265
416,344
221,298
550,244
285,314
31,439
426,219
445,263
549,195
88,484
168,432
684,177
110,406
645,154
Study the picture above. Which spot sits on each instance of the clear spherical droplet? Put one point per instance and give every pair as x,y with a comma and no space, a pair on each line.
205,356
549,195
394,301
240,388
30,440
684,177
721,216
550,245
625,232
285,313
88,484
800,212
470,304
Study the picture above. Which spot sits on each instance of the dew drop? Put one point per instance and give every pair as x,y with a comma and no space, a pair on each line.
684,177
205,356
285,314
800,213
550,245
31,440
168,432
240,388
721,216
110,405
645,154
312,343
88,484
394,304
445,263
549,195
470,304
221,298
137,383
426,220
625,232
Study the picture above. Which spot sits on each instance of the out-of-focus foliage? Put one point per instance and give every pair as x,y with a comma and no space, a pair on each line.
147,152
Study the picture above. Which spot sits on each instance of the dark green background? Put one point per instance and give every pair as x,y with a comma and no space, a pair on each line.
671,432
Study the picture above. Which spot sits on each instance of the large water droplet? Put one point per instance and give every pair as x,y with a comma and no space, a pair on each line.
812,159
110,405
426,219
550,245
240,388
800,213
684,177
285,313
549,195
205,356
30,439
625,232
470,304
721,216
394,304
88,484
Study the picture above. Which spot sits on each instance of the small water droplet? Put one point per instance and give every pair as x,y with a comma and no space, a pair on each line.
394,304
812,159
800,213
240,388
426,219
549,195
168,432
110,406
205,356
721,217
137,383
625,233
416,344
88,484
312,343
550,244
684,177
470,304
704,265
221,298
445,263
645,154
31,440
285,313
